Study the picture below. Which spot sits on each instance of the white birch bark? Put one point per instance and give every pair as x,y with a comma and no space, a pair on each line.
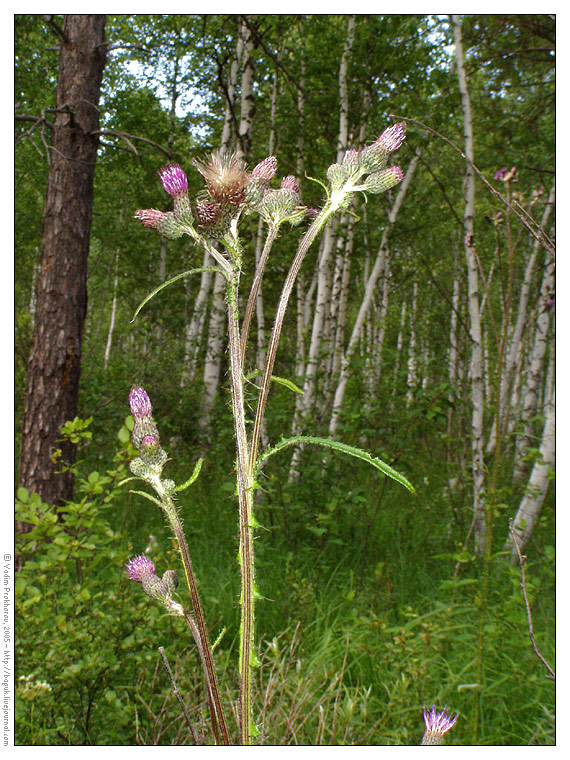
453,354
399,346
537,487
217,324
113,315
300,171
195,328
511,374
534,371
412,378
247,105
379,267
476,368
305,402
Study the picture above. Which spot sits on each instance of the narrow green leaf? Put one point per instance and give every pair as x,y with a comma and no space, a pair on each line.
345,449
148,496
280,380
192,477
287,384
172,280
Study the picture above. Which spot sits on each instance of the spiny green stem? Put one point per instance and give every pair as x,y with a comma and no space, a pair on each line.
304,246
271,235
218,717
245,500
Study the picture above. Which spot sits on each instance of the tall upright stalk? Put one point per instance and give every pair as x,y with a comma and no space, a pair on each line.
228,184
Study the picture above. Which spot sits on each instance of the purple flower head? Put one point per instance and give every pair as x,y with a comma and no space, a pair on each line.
141,408
393,137
150,217
265,170
140,567
290,183
500,174
437,724
173,180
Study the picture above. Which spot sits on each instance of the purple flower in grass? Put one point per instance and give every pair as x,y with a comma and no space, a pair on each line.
437,724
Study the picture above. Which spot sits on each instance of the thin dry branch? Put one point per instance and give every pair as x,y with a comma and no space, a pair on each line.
537,234
522,560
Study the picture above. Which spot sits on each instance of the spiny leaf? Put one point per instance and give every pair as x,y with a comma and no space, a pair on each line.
345,449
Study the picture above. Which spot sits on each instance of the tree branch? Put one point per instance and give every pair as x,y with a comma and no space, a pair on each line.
540,236
522,560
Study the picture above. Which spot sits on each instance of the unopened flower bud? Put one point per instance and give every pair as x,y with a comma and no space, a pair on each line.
265,170
139,403
337,174
155,587
254,192
163,222
170,578
290,183
277,205
144,427
383,180
351,159
151,451
375,157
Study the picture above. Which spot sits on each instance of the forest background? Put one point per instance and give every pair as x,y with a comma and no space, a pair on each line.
421,329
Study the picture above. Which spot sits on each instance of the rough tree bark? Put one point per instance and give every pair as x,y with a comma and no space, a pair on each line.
54,362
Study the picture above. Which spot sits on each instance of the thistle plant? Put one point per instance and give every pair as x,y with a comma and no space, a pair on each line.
211,221
437,724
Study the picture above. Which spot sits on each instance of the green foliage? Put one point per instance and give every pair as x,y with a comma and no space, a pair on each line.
82,634
384,591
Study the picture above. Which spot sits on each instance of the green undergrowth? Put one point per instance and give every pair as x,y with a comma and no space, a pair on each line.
363,618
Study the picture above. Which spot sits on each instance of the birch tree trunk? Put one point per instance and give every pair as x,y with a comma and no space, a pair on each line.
214,351
194,330
217,324
305,402
412,378
399,346
379,266
476,367
113,315
516,347
534,372
535,492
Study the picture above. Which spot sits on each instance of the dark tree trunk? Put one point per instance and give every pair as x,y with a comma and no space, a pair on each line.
54,362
